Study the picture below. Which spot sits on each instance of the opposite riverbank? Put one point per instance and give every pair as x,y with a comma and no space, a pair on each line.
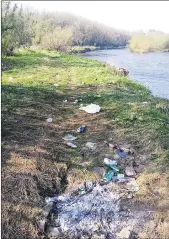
35,161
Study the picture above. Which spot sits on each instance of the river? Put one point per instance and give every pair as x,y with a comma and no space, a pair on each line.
150,69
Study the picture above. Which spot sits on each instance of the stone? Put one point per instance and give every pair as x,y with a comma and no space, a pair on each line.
41,224
132,186
124,233
130,171
46,210
99,170
100,236
116,157
54,232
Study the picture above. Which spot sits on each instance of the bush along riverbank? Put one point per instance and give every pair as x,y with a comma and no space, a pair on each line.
37,162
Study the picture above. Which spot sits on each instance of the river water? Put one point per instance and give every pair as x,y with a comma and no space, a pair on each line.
150,69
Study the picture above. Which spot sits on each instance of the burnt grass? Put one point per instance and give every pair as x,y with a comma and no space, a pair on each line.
35,160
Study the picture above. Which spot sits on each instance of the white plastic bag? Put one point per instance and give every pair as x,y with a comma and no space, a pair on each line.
91,109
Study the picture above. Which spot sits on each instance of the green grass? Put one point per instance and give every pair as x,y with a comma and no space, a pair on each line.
33,151
36,72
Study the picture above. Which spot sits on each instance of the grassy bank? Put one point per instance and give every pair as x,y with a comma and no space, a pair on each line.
35,161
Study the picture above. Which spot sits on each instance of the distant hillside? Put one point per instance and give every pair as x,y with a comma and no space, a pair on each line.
54,31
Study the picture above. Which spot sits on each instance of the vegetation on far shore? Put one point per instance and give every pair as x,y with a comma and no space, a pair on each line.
143,43
35,161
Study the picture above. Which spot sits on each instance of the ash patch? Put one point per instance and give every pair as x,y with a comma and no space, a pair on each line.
94,213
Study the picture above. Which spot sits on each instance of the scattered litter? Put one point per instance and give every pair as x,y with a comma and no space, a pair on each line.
77,101
69,137
56,85
91,146
130,171
114,146
121,153
91,109
51,199
82,128
50,120
108,176
82,83
71,145
64,101
120,175
110,162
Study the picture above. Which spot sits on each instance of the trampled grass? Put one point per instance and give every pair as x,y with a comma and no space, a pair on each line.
35,161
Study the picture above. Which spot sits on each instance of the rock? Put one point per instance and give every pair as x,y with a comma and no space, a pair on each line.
130,171
132,186
100,236
99,170
110,139
91,146
116,157
54,232
124,233
46,210
41,224
123,71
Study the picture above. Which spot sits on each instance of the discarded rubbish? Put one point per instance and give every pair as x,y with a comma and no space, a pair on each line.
114,146
121,153
81,189
50,120
91,146
108,176
110,162
65,101
69,137
71,145
91,109
120,175
77,101
114,167
51,199
82,128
